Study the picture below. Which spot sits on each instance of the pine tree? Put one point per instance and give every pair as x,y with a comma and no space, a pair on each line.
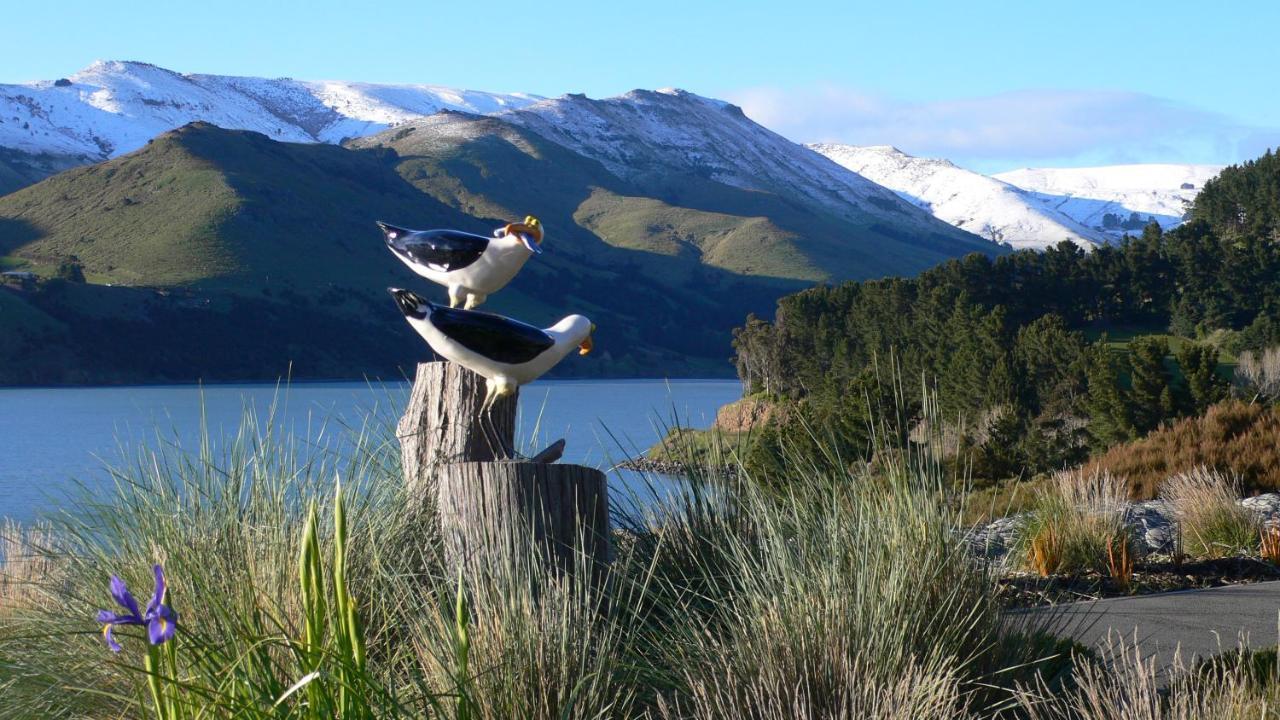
1150,394
1204,386
1107,403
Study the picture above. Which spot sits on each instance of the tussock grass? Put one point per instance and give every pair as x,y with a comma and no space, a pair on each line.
1232,437
225,520
1077,524
821,614
1130,686
27,563
1213,523
542,645
848,595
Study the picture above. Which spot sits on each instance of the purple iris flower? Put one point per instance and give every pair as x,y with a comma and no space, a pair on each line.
160,620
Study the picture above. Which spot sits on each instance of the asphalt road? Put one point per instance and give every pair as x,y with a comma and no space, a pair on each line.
1201,622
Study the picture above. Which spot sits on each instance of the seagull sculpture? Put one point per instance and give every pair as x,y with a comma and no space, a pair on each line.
505,352
471,266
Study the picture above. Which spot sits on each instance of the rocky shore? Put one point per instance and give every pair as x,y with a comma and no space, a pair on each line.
1152,522
673,467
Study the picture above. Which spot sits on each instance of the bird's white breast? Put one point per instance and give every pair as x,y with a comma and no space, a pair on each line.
520,374
496,266
501,260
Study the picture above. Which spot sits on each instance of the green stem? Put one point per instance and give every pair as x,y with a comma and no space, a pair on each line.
152,667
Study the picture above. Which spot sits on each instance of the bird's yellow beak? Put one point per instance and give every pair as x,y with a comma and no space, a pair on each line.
587,345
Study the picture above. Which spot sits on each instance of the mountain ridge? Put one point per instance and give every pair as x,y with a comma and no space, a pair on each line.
1160,191
650,138
993,209
1034,207
113,107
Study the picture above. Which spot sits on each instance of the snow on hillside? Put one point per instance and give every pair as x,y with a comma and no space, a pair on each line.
110,108
648,134
1107,198
982,205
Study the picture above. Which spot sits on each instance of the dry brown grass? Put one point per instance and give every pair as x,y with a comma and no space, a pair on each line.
1075,523
1045,553
1212,521
1269,545
24,566
1233,437
1129,686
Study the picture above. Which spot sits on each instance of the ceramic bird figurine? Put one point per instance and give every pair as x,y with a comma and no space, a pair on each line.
471,266
506,353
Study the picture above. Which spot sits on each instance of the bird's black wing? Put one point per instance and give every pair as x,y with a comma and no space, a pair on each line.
440,250
496,337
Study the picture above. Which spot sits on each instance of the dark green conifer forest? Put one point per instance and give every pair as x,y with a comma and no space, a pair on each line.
1037,358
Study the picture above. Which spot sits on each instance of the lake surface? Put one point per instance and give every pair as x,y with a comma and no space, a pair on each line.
51,438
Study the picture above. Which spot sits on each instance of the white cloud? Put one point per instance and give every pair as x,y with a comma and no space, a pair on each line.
1012,129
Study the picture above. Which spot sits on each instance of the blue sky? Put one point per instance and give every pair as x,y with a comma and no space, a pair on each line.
991,85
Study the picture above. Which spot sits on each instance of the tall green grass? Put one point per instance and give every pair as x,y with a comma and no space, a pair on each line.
845,592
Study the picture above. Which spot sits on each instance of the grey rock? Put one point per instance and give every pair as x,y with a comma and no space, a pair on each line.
1154,522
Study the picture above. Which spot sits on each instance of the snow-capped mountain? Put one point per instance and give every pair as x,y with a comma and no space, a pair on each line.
1116,199
1033,208
982,205
645,135
111,108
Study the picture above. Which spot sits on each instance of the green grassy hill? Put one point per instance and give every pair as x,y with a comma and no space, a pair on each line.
485,166
209,208
226,255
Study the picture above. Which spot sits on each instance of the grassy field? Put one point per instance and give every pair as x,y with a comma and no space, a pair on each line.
1119,337
852,595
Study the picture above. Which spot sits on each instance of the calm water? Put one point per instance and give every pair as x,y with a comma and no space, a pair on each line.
52,437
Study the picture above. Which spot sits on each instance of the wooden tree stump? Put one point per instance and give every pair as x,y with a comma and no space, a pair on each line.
496,512
442,424
491,510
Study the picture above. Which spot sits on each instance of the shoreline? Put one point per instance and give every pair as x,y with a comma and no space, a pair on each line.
287,382
673,467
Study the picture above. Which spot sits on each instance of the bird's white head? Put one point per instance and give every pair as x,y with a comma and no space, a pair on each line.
578,330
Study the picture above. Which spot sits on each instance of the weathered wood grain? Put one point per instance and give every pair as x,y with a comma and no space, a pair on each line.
442,424
493,512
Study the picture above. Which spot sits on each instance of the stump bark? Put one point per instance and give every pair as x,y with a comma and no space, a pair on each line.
490,510
442,423
498,512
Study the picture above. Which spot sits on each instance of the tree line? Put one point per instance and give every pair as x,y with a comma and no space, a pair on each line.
1020,347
